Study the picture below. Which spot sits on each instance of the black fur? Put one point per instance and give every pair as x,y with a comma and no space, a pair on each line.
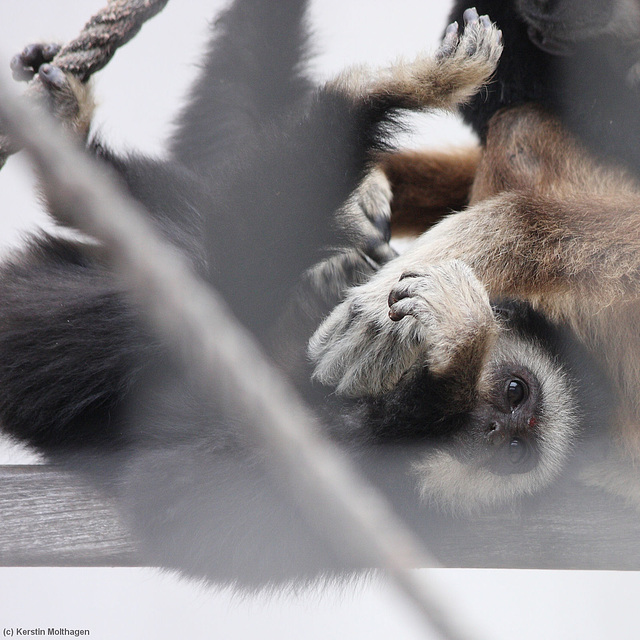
420,409
258,165
584,75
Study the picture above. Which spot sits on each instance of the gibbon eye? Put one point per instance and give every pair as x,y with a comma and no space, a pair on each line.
517,393
518,451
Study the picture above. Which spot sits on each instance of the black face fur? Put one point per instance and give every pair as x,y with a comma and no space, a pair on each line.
501,430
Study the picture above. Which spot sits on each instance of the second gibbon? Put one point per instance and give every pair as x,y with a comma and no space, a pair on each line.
506,334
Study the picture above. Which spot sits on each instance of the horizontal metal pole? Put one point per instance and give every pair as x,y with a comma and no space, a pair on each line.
50,517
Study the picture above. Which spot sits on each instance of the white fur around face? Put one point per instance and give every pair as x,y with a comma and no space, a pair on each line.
462,487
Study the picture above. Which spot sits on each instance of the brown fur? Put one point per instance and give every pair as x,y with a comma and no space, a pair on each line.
428,186
549,224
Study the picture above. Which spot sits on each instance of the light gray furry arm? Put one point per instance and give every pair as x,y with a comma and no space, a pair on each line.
367,344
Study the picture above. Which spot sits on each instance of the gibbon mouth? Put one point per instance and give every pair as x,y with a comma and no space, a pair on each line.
552,45
502,453
517,455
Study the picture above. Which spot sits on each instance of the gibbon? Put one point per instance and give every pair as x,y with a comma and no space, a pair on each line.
577,60
507,333
258,165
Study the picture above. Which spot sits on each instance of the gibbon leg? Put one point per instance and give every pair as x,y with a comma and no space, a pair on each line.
246,83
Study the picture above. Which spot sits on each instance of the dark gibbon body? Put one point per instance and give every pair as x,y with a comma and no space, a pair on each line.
258,165
552,223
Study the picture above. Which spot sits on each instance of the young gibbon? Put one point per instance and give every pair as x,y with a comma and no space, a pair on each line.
258,165
553,223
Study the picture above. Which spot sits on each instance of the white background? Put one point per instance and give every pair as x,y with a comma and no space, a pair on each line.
137,95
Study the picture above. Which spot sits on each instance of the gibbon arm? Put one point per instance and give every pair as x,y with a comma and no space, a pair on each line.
546,225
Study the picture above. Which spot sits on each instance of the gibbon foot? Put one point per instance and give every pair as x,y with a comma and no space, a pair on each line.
367,216
366,219
479,37
464,62
27,63
68,99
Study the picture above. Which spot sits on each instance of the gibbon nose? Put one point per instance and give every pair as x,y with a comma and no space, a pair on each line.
543,5
510,450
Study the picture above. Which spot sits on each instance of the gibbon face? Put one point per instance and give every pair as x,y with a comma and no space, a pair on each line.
482,437
516,438
554,26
